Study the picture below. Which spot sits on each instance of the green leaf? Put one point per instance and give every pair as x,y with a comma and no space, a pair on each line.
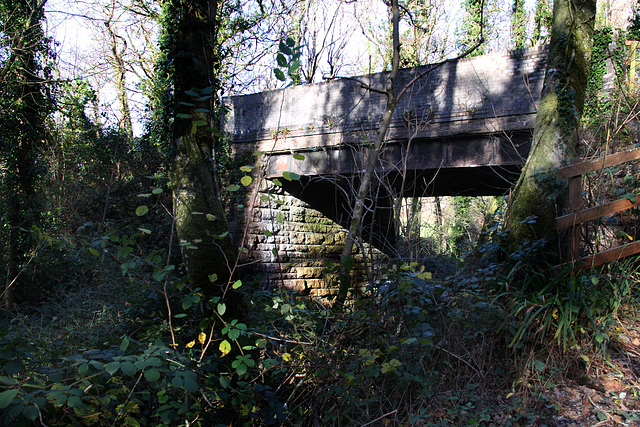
277,182
279,74
213,277
124,345
247,168
274,251
144,230
630,197
31,412
222,308
128,368
58,397
183,116
267,233
74,402
233,187
280,217
348,263
142,210
282,47
202,110
189,384
261,343
92,251
237,284
13,367
112,367
294,67
156,191
282,61
298,156
7,381
225,381
152,374
290,42
6,397
291,176
192,92
246,180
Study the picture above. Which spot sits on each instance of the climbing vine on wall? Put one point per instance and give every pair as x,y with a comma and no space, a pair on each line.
596,104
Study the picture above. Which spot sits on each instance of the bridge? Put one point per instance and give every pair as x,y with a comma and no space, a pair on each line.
463,128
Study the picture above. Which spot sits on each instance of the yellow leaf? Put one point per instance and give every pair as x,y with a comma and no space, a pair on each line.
225,347
191,344
286,357
202,338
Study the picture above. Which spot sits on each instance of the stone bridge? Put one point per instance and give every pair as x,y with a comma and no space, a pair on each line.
463,128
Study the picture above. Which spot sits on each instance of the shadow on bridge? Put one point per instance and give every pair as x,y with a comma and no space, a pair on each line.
463,129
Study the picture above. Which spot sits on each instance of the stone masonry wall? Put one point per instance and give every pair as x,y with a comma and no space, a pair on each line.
287,242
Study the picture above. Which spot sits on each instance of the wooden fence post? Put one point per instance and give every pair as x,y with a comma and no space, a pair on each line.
575,204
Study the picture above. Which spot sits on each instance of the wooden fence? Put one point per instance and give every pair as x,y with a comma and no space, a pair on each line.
577,216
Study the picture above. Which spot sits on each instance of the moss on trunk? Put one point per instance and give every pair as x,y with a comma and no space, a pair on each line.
538,194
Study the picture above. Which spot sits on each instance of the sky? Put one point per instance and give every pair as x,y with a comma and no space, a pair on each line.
78,29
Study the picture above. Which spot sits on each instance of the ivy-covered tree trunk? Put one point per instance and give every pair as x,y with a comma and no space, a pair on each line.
23,107
538,195
192,36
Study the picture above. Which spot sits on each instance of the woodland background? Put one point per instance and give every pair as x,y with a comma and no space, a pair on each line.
106,323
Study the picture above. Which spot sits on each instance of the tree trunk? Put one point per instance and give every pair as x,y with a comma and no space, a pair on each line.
119,69
370,162
201,225
24,107
538,195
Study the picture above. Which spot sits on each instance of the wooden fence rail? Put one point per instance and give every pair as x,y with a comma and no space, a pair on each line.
576,216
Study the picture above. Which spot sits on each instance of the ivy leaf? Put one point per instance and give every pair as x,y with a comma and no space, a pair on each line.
279,74
294,67
282,47
282,61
